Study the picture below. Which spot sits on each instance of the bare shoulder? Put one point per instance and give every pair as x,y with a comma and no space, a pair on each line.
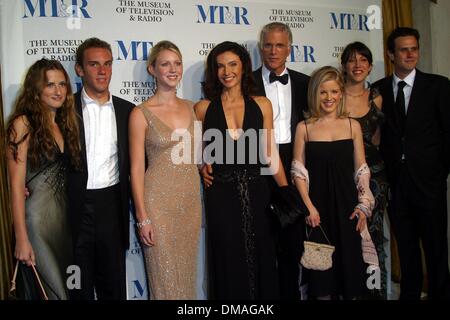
262,101
200,108
137,115
378,101
151,102
356,127
301,123
188,103
264,104
301,128
202,105
21,127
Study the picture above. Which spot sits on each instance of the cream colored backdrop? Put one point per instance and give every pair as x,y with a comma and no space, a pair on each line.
31,29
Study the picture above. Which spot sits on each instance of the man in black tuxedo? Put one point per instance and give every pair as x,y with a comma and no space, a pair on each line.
415,145
98,194
287,90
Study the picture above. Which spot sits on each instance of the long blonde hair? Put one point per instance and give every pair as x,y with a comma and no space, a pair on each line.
321,75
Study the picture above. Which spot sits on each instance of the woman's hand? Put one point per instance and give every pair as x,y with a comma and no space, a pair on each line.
147,235
313,219
24,252
206,173
361,219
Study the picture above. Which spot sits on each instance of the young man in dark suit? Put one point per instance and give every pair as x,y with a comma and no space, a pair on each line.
98,194
287,90
415,145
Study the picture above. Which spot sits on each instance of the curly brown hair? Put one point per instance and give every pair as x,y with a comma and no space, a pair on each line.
30,106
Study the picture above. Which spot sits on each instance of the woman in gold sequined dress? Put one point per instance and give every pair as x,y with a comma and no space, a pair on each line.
166,194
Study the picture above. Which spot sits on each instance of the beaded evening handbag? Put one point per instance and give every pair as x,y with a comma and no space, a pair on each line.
317,256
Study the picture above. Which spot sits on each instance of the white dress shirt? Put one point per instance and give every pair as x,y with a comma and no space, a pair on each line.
100,130
280,97
407,89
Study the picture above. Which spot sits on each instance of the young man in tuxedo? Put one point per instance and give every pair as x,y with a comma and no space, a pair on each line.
287,90
98,194
415,145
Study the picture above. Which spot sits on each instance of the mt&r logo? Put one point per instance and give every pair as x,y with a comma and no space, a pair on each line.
222,15
348,21
55,8
301,53
359,22
133,50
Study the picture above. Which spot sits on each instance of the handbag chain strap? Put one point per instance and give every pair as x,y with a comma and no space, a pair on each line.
309,234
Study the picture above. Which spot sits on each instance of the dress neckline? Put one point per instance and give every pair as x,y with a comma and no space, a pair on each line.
57,146
226,123
166,125
330,141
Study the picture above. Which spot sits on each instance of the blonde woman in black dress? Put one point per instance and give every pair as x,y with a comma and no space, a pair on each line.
328,156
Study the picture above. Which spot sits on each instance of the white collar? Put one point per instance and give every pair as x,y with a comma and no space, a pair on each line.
409,79
88,100
266,72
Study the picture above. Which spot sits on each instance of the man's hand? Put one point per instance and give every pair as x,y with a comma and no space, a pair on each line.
206,173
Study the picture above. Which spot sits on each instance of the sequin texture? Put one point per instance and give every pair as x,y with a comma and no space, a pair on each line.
172,201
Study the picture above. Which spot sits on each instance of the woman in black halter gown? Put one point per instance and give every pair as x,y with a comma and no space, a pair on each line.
241,249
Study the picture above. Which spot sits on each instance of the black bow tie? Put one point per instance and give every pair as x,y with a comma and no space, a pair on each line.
284,79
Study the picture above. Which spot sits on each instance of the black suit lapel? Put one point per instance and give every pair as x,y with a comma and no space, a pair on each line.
416,95
389,108
79,110
294,104
259,84
121,135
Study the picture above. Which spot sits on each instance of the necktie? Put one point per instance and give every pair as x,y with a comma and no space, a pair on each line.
284,79
400,105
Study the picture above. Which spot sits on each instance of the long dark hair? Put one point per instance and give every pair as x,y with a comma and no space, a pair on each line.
212,87
30,106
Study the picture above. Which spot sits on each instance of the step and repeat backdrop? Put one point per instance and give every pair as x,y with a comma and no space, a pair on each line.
32,29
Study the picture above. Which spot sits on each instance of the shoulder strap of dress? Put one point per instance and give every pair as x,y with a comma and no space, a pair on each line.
373,93
194,115
306,126
351,133
147,114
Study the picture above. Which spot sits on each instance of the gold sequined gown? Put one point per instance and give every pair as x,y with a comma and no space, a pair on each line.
172,201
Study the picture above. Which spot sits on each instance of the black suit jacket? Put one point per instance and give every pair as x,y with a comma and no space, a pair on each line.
77,179
299,103
427,132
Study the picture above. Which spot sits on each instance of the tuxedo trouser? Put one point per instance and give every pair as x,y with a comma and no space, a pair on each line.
290,246
415,217
99,250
